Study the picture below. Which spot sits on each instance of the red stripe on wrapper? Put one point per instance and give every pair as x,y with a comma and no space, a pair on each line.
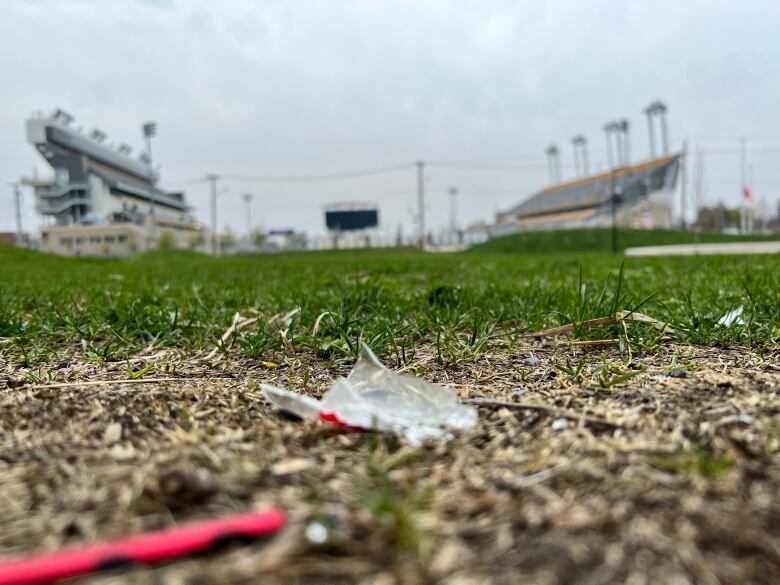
331,417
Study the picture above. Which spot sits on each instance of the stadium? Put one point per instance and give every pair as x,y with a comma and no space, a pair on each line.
101,200
644,197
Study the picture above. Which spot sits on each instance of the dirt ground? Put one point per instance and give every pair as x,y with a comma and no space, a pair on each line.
673,477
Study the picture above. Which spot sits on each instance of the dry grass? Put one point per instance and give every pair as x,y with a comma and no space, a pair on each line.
685,491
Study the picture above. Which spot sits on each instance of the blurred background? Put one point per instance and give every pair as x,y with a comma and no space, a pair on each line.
317,124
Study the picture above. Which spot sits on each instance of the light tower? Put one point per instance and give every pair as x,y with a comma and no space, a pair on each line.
609,129
623,126
581,158
576,158
618,128
149,130
659,109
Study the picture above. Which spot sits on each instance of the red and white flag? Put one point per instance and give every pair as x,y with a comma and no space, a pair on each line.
747,194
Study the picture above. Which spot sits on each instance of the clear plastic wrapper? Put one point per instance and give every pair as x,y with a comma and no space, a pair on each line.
373,397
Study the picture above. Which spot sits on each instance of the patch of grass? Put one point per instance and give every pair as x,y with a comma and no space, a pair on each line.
392,505
54,309
695,462
608,375
600,240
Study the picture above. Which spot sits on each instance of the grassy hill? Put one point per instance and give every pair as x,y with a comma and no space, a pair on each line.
600,240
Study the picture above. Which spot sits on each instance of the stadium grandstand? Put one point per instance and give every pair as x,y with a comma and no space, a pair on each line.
101,200
644,197
641,195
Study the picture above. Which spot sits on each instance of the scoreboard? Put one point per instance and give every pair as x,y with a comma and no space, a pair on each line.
351,219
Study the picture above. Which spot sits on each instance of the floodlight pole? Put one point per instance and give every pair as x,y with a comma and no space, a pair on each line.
664,128
149,130
576,157
607,131
421,202
650,130
581,154
554,164
619,147
585,169
613,206
624,128
212,178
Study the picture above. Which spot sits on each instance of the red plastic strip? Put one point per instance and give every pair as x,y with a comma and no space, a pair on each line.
142,549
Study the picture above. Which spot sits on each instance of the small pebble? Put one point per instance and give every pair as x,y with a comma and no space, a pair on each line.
520,392
560,424
678,374
316,533
532,361
745,419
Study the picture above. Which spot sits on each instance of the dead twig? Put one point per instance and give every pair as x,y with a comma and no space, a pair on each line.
620,316
237,324
108,382
550,410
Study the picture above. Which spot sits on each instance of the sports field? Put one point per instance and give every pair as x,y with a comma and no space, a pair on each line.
632,451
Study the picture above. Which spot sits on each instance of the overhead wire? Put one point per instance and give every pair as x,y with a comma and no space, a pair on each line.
317,177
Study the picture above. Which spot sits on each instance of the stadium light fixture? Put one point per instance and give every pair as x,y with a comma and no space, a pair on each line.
97,135
150,129
62,117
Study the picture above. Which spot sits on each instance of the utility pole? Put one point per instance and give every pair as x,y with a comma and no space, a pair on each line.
684,185
18,214
248,201
453,209
421,202
750,209
214,235
697,192
743,184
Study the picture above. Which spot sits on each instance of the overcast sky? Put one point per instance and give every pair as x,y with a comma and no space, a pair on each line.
257,88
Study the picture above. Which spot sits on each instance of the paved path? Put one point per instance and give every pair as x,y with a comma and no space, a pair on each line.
696,249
